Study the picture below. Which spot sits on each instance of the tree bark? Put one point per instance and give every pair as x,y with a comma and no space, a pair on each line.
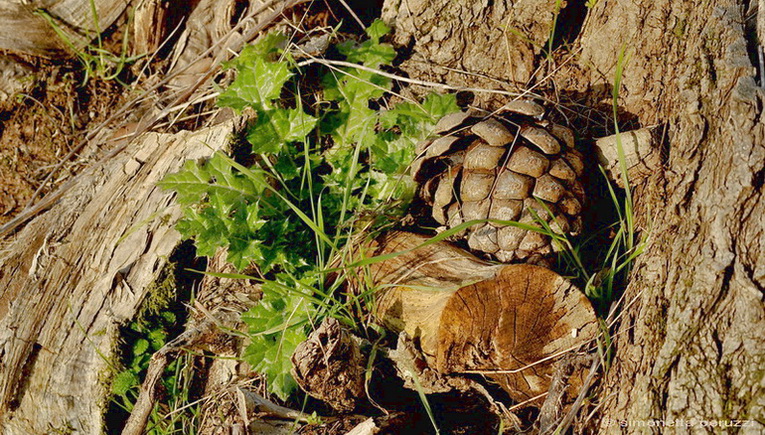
481,43
690,344
693,344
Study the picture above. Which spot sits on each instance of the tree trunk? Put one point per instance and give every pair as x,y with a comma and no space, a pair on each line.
690,344
693,344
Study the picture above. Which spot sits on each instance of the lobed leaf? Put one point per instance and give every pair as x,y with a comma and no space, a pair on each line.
257,84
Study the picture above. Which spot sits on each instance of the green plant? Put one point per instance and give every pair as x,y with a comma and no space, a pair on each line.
553,27
618,257
97,62
329,165
156,323
591,3
149,336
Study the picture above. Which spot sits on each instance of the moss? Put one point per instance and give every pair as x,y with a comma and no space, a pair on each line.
65,428
160,294
159,318
680,28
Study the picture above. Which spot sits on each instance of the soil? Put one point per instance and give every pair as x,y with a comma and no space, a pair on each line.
42,125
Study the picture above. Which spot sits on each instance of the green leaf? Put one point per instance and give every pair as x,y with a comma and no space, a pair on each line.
368,53
168,316
242,252
418,120
140,347
276,127
257,84
227,209
190,183
270,353
123,382
377,30
265,47
158,338
440,105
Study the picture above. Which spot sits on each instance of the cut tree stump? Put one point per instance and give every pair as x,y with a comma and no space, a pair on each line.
73,274
509,322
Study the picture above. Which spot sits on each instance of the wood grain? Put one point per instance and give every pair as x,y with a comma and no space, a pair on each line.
510,321
75,273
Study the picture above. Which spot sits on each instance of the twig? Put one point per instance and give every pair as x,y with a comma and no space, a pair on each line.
526,402
341,63
255,400
136,423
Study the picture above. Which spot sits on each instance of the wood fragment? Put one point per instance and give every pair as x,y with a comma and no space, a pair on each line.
641,155
366,427
329,366
509,322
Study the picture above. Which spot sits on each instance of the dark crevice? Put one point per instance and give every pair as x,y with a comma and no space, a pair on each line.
727,276
718,345
752,42
367,11
23,380
658,389
661,134
240,8
403,53
758,179
569,23
175,17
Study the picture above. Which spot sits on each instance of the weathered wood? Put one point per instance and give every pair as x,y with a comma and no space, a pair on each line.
75,273
150,25
507,321
26,32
